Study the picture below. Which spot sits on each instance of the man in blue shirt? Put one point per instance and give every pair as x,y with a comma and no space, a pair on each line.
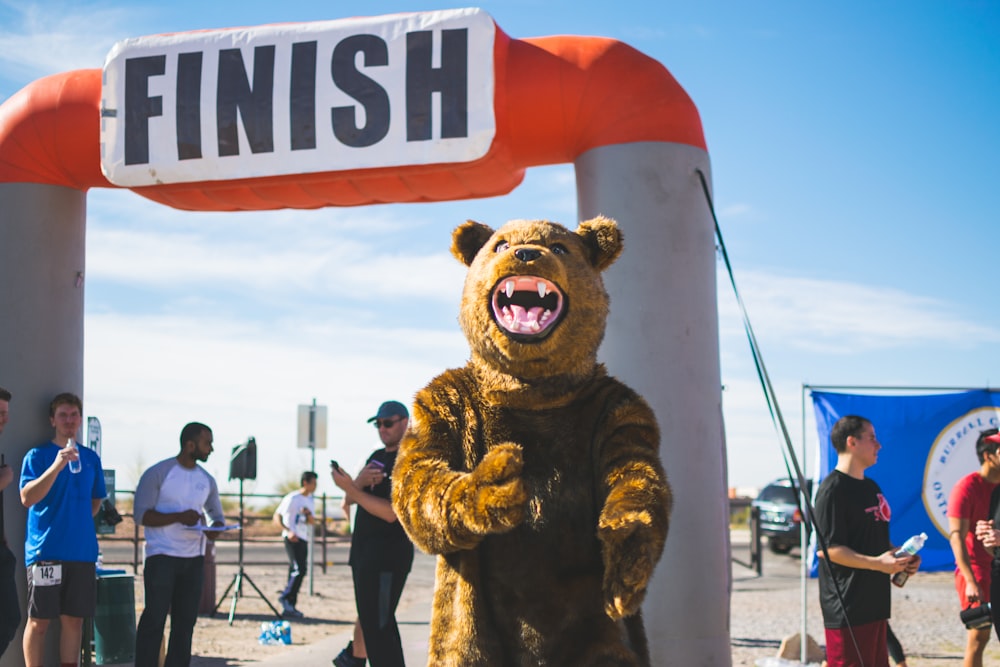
60,545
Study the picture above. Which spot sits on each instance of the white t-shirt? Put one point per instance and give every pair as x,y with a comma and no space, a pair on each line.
293,517
169,487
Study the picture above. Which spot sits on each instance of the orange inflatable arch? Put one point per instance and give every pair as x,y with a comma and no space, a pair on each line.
556,97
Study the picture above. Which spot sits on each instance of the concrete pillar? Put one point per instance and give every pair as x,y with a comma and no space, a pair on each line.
663,341
42,230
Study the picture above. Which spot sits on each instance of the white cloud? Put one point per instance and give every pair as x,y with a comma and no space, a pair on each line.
41,39
811,329
271,266
148,376
839,317
755,446
297,255
735,210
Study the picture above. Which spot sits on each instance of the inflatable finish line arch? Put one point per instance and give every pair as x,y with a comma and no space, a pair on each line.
405,108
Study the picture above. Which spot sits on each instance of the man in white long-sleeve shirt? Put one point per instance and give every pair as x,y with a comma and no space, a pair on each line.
171,501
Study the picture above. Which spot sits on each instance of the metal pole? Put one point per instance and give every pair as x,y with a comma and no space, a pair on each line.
312,450
323,532
312,434
309,550
803,532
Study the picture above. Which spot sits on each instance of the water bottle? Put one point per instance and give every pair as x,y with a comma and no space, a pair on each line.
74,466
910,547
284,632
267,636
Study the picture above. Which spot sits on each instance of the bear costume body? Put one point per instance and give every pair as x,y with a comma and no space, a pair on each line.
532,474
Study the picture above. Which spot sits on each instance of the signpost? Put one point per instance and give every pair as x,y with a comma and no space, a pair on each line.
312,434
312,429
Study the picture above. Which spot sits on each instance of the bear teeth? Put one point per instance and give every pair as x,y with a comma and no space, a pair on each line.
520,321
526,305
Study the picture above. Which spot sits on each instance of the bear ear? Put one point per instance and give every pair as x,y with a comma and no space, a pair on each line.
604,240
467,239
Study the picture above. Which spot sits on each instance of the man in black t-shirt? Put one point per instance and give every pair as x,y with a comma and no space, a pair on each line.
853,516
381,553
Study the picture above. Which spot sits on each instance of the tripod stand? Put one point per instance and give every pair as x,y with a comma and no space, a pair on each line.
236,585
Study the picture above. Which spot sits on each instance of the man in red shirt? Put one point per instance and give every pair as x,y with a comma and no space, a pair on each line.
970,502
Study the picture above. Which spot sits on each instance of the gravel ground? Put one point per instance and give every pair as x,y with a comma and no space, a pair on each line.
763,610
328,610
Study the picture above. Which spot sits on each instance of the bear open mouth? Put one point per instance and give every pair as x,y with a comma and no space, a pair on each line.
527,306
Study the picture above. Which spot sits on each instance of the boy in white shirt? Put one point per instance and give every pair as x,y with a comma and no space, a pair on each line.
295,516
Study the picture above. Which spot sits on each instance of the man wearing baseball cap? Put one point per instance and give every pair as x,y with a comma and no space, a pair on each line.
381,553
390,410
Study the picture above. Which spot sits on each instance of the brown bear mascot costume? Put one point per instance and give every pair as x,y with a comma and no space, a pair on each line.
533,475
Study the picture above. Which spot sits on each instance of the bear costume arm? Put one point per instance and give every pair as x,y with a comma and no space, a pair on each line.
634,519
445,500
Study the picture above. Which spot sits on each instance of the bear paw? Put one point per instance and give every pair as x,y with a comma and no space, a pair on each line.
630,555
492,497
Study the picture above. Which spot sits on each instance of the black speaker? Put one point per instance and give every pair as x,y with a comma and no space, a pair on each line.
243,461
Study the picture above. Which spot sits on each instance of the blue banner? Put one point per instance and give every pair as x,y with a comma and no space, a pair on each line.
928,444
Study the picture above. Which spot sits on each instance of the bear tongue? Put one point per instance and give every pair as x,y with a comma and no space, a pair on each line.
521,320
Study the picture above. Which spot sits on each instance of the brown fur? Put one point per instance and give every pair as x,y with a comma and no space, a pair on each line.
533,474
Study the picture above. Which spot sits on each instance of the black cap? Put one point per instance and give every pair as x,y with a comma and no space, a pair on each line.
390,409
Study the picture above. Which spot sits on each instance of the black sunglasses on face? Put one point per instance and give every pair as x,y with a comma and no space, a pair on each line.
387,423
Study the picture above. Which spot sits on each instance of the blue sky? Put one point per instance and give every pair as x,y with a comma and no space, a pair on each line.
854,153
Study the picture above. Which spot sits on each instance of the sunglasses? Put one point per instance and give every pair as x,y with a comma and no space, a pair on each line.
386,423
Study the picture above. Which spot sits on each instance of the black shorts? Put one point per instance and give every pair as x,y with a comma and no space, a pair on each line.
74,595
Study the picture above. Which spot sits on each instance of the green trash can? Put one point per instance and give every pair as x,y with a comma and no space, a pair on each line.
114,619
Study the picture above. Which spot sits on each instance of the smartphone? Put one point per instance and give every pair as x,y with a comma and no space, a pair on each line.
334,465
377,463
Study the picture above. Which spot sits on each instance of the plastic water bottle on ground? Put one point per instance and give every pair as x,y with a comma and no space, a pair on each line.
275,633
910,547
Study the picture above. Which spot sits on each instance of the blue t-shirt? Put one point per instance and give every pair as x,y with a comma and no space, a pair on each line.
61,525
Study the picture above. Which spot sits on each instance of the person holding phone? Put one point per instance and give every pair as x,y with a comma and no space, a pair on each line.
381,553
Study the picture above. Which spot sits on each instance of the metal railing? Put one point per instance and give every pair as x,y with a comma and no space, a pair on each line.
322,539
755,561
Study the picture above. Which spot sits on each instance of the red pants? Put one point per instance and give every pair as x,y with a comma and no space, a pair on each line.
870,639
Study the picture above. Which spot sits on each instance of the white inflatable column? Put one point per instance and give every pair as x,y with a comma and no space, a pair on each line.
42,230
663,341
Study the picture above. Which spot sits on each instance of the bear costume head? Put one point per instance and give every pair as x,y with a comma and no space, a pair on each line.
532,474
531,340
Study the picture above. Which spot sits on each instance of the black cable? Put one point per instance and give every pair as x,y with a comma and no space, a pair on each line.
776,417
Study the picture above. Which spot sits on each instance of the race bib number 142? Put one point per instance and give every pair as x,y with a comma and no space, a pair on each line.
46,574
